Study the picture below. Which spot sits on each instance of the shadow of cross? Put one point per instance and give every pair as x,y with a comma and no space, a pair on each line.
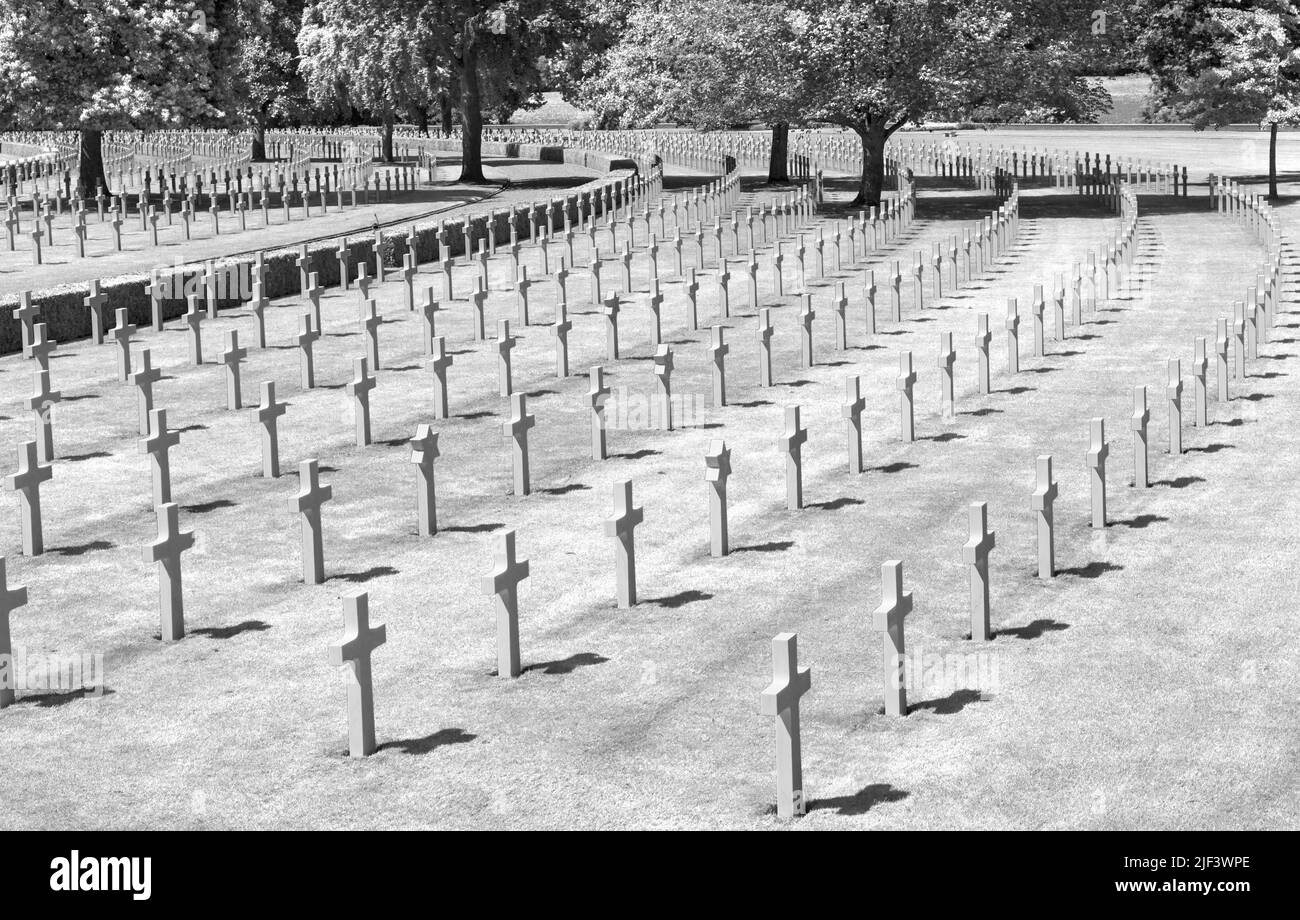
781,699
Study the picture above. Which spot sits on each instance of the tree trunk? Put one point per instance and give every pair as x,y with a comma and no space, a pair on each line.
1272,162
90,166
471,135
777,167
873,165
259,141
422,121
386,148
444,106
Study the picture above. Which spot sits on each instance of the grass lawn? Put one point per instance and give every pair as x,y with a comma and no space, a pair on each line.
1151,684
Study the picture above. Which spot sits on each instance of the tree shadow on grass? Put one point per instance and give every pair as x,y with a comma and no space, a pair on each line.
944,438
93,455
860,802
638,454
568,665
1033,630
1016,391
428,743
229,632
680,599
1209,448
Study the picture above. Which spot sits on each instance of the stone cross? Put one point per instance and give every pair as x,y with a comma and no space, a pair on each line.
1013,337
982,339
854,403
791,445
663,371
841,305
976,555
359,389
359,641
1174,395
1139,424
257,305
522,284
895,293
610,310
42,346
656,301
1221,351
1037,309
887,619
308,503
560,330
718,467
26,314
906,379
806,316
156,445
947,357
194,320
307,335
505,344
143,380
503,583
1199,363
122,333
370,323
516,428
439,363
10,600
781,700
765,347
596,396
718,352
268,414
621,527
231,358
1239,333
870,303
41,404
95,301
166,550
1043,498
27,483
424,450
1098,451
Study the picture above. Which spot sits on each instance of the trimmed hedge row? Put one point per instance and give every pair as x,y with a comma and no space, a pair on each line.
67,318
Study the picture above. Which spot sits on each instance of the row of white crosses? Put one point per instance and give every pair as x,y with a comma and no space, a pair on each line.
789,682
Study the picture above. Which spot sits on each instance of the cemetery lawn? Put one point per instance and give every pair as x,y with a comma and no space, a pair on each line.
1151,684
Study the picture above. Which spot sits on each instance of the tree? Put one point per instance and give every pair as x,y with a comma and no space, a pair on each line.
1216,65
496,54
874,67
269,87
92,66
709,63
371,54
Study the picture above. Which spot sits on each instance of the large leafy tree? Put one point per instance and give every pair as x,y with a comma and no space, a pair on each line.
873,67
497,56
708,63
1216,65
370,54
269,88
91,66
